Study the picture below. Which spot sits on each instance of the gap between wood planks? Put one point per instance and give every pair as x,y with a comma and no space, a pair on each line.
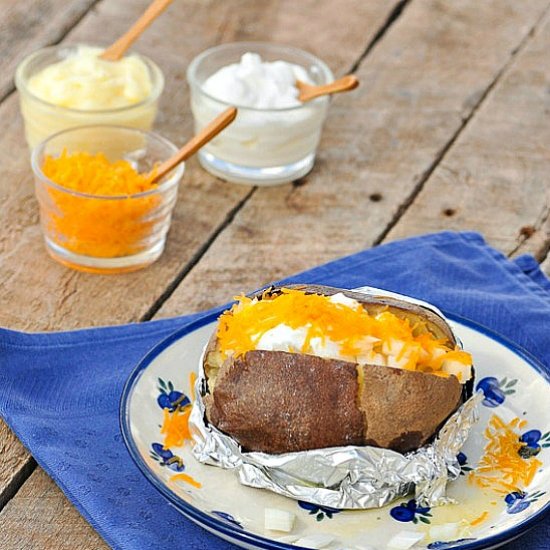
529,230
28,468
151,312
442,153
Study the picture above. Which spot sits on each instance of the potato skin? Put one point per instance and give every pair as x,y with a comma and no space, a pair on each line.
277,402
274,401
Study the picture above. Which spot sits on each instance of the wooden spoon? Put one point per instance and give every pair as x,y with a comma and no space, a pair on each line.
191,147
117,50
309,92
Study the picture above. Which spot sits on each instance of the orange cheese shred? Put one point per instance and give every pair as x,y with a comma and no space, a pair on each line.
187,478
175,427
502,468
479,519
111,220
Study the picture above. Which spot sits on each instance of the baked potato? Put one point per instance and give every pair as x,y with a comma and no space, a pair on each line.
307,367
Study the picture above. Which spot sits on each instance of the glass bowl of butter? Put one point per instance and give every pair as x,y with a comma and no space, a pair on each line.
67,86
275,136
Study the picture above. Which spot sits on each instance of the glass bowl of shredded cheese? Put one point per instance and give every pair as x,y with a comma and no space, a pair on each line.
68,86
100,209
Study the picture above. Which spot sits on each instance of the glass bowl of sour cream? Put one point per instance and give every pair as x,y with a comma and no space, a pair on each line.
274,138
67,86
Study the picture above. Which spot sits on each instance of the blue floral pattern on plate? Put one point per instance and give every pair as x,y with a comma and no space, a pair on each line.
495,391
165,457
443,545
463,462
170,398
227,518
518,501
410,511
534,441
320,512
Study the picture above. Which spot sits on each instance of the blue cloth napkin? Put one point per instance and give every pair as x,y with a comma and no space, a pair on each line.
60,392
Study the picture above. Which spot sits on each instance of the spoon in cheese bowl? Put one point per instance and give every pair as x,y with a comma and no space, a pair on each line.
307,92
209,132
116,51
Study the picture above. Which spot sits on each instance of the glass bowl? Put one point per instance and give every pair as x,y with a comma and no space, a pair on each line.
43,119
106,233
262,146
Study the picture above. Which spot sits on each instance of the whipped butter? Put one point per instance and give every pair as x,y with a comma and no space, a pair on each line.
86,82
64,87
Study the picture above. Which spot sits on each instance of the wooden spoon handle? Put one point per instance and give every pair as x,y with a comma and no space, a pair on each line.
191,147
117,50
309,92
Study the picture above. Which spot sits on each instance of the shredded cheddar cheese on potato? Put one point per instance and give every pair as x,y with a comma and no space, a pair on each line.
356,333
96,226
502,468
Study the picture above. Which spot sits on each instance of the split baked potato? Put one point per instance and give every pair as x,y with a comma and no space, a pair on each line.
325,367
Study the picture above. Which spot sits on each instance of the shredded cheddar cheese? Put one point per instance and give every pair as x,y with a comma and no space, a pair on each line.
175,427
480,519
187,478
113,221
502,468
351,328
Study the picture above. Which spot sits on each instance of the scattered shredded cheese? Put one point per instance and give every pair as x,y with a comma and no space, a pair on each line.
502,468
97,226
351,327
480,519
187,478
175,427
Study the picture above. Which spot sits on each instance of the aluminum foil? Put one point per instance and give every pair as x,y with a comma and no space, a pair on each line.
349,477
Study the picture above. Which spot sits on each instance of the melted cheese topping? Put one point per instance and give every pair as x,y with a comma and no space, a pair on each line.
336,327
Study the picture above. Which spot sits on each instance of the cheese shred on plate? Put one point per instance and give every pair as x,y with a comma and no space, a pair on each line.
111,219
336,327
502,467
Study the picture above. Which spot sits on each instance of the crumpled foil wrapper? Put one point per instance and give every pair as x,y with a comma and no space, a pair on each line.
349,477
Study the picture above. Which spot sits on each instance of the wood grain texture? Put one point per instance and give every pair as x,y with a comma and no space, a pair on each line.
27,25
419,84
50,297
39,518
55,297
494,179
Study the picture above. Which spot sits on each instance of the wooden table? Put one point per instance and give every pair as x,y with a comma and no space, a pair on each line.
449,130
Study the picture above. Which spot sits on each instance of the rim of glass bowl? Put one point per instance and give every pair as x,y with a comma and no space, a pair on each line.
37,152
21,82
249,46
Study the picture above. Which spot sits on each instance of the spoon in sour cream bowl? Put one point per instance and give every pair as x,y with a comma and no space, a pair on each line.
209,132
309,91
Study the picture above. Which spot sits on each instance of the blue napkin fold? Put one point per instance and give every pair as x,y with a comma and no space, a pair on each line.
60,392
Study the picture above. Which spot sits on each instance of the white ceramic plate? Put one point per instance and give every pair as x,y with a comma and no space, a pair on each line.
515,385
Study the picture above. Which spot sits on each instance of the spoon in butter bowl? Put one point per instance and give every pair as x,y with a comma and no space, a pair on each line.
309,91
117,50
209,132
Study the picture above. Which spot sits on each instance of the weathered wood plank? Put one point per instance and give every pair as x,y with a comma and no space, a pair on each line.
56,298
38,519
28,25
421,81
494,179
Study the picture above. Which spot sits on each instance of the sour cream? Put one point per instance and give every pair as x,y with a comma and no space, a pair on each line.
257,84
275,136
